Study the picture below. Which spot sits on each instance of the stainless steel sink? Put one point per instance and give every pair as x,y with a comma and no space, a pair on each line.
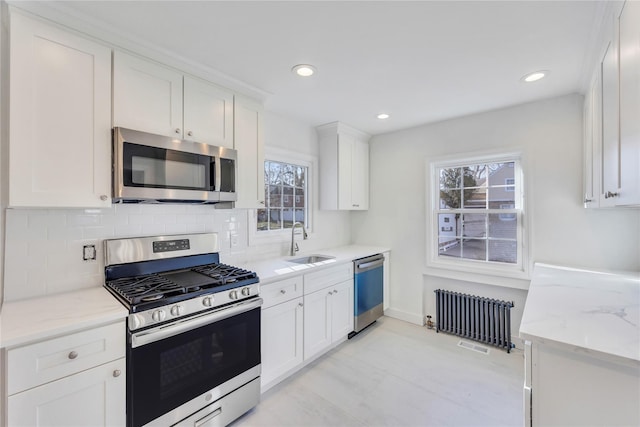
311,259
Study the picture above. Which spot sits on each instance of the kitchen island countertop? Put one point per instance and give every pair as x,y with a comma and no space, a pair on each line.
593,311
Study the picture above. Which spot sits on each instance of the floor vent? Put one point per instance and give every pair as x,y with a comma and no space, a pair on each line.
474,347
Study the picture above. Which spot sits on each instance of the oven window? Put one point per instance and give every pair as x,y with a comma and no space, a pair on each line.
161,168
167,373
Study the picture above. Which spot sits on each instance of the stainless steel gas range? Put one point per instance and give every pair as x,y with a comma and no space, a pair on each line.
193,331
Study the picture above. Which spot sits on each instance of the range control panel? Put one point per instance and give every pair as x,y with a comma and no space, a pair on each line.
170,245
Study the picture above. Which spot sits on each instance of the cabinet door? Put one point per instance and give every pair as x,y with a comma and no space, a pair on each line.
610,127
281,339
317,322
630,104
248,141
592,144
360,175
341,310
208,113
60,130
346,145
146,96
95,397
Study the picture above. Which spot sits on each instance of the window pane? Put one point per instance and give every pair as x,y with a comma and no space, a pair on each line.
287,197
299,198
287,218
275,196
275,219
448,225
503,251
474,249
474,225
502,228
301,173
450,199
299,216
288,175
450,178
449,247
499,196
275,173
263,224
474,176
475,198
499,173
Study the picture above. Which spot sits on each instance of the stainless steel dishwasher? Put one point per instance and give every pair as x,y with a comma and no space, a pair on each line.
368,284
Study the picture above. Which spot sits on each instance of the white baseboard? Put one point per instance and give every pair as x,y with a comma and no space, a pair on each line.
416,319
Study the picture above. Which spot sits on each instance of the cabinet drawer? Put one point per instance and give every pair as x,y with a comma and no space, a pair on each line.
327,277
45,361
281,291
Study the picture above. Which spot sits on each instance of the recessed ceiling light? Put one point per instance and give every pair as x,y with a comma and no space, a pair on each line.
304,70
382,116
535,76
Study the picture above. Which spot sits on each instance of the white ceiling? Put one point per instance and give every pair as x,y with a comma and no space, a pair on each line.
419,61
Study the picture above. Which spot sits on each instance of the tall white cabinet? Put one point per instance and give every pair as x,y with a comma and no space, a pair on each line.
248,141
344,167
60,117
612,113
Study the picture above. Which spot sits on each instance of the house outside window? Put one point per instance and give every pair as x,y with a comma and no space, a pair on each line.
286,196
477,214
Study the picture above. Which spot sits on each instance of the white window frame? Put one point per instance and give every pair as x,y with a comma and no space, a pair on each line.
284,235
460,267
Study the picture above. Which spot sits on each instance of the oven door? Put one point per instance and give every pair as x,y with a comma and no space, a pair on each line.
177,369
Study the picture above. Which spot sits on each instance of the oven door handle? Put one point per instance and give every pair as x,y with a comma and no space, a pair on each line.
161,332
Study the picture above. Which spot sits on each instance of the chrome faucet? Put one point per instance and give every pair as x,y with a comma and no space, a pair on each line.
294,246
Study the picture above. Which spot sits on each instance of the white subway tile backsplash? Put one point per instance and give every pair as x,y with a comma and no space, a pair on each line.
44,247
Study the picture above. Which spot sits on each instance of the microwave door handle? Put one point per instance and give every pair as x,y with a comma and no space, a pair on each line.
215,175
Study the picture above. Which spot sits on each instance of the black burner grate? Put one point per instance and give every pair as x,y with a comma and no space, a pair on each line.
225,274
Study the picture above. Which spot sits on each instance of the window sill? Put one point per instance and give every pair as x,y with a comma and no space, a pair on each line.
511,279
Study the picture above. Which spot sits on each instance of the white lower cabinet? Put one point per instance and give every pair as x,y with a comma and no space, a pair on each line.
297,326
328,317
95,397
281,330
77,379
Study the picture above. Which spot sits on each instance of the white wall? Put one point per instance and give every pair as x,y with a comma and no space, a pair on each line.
44,247
549,133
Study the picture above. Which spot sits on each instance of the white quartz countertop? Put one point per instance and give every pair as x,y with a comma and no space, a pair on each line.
273,269
592,310
35,319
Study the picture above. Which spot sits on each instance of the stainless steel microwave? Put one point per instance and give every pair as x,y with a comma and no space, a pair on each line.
159,169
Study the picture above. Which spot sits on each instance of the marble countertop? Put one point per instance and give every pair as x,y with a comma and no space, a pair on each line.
30,320
274,269
591,310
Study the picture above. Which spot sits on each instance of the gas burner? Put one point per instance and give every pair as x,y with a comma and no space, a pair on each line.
152,298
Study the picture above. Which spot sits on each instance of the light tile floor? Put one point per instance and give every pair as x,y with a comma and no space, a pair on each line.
398,374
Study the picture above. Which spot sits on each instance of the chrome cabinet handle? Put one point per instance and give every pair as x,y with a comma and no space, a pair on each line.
300,304
190,133
177,130
73,355
103,198
282,291
609,194
588,200
116,373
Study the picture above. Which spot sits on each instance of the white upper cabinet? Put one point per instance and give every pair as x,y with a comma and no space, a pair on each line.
60,117
249,142
629,25
208,113
344,167
150,97
612,114
146,96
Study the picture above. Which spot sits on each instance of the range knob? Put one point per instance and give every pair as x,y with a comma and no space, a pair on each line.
177,310
158,315
207,301
135,321
246,291
233,294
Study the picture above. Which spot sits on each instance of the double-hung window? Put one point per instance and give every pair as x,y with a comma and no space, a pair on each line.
286,196
477,214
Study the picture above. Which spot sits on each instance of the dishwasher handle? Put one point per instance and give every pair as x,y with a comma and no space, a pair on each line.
365,264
